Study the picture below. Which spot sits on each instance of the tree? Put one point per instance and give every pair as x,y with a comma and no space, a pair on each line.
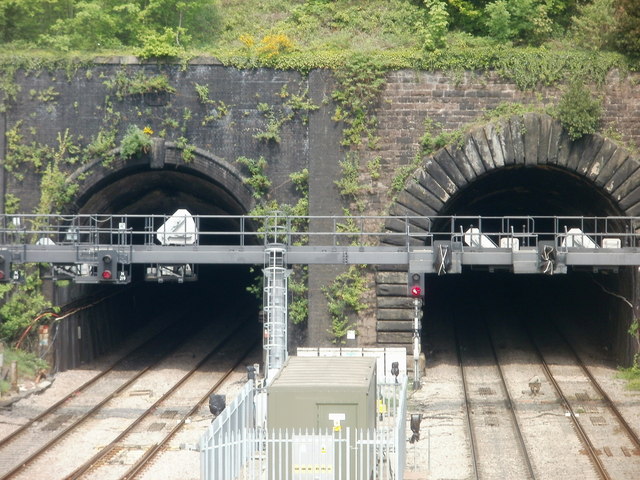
438,24
627,35
195,17
524,21
95,25
26,19
594,25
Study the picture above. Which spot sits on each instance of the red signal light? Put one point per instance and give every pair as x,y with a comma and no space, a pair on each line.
106,275
1,275
415,285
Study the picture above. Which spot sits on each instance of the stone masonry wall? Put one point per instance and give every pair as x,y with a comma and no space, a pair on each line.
408,100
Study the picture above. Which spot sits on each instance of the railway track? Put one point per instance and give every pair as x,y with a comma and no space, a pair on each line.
46,415
498,448
198,379
39,434
612,446
67,427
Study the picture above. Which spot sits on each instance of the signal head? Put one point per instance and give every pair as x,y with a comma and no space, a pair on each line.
415,285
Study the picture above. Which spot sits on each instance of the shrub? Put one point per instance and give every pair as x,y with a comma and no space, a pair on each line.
272,45
22,303
162,45
578,111
438,24
135,141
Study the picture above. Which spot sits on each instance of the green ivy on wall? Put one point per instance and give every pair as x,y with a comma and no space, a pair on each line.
344,298
123,85
359,84
298,279
296,104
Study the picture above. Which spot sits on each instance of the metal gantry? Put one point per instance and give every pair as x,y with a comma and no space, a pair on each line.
439,245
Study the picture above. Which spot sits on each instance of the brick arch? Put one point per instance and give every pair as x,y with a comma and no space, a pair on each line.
164,156
521,140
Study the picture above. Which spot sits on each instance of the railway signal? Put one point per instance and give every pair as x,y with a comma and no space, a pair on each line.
416,285
107,265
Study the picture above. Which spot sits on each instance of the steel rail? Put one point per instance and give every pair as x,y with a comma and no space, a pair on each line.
50,410
589,447
511,407
88,414
472,435
633,436
90,464
144,461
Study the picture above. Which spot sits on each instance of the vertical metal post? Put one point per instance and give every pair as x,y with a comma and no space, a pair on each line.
417,333
275,300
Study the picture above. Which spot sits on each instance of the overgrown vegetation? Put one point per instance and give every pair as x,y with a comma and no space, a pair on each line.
28,364
579,111
21,305
257,179
135,141
632,376
295,104
359,83
298,279
529,40
124,85
344,298
168,27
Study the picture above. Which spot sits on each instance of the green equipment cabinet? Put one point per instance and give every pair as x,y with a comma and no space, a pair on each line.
316,399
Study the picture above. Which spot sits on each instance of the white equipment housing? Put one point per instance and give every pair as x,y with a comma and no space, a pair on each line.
179,229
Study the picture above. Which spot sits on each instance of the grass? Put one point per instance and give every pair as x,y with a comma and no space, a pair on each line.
632,376
29,365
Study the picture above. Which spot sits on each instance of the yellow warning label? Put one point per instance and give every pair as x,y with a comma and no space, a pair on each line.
311,469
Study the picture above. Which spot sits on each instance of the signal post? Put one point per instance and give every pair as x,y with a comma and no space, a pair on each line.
416,291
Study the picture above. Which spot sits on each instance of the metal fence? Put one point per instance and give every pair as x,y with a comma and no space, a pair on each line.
237,447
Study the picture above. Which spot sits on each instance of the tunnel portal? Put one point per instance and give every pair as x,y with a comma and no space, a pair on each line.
520,166
137,186
580,299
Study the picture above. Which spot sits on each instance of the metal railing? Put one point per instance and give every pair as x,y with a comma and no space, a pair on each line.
241,230
439,245
234,448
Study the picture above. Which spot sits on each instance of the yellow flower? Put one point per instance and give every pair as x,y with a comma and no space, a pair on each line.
147,130
247,40
272,45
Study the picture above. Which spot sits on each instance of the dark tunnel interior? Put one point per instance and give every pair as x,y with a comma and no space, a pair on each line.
576,300
217,287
